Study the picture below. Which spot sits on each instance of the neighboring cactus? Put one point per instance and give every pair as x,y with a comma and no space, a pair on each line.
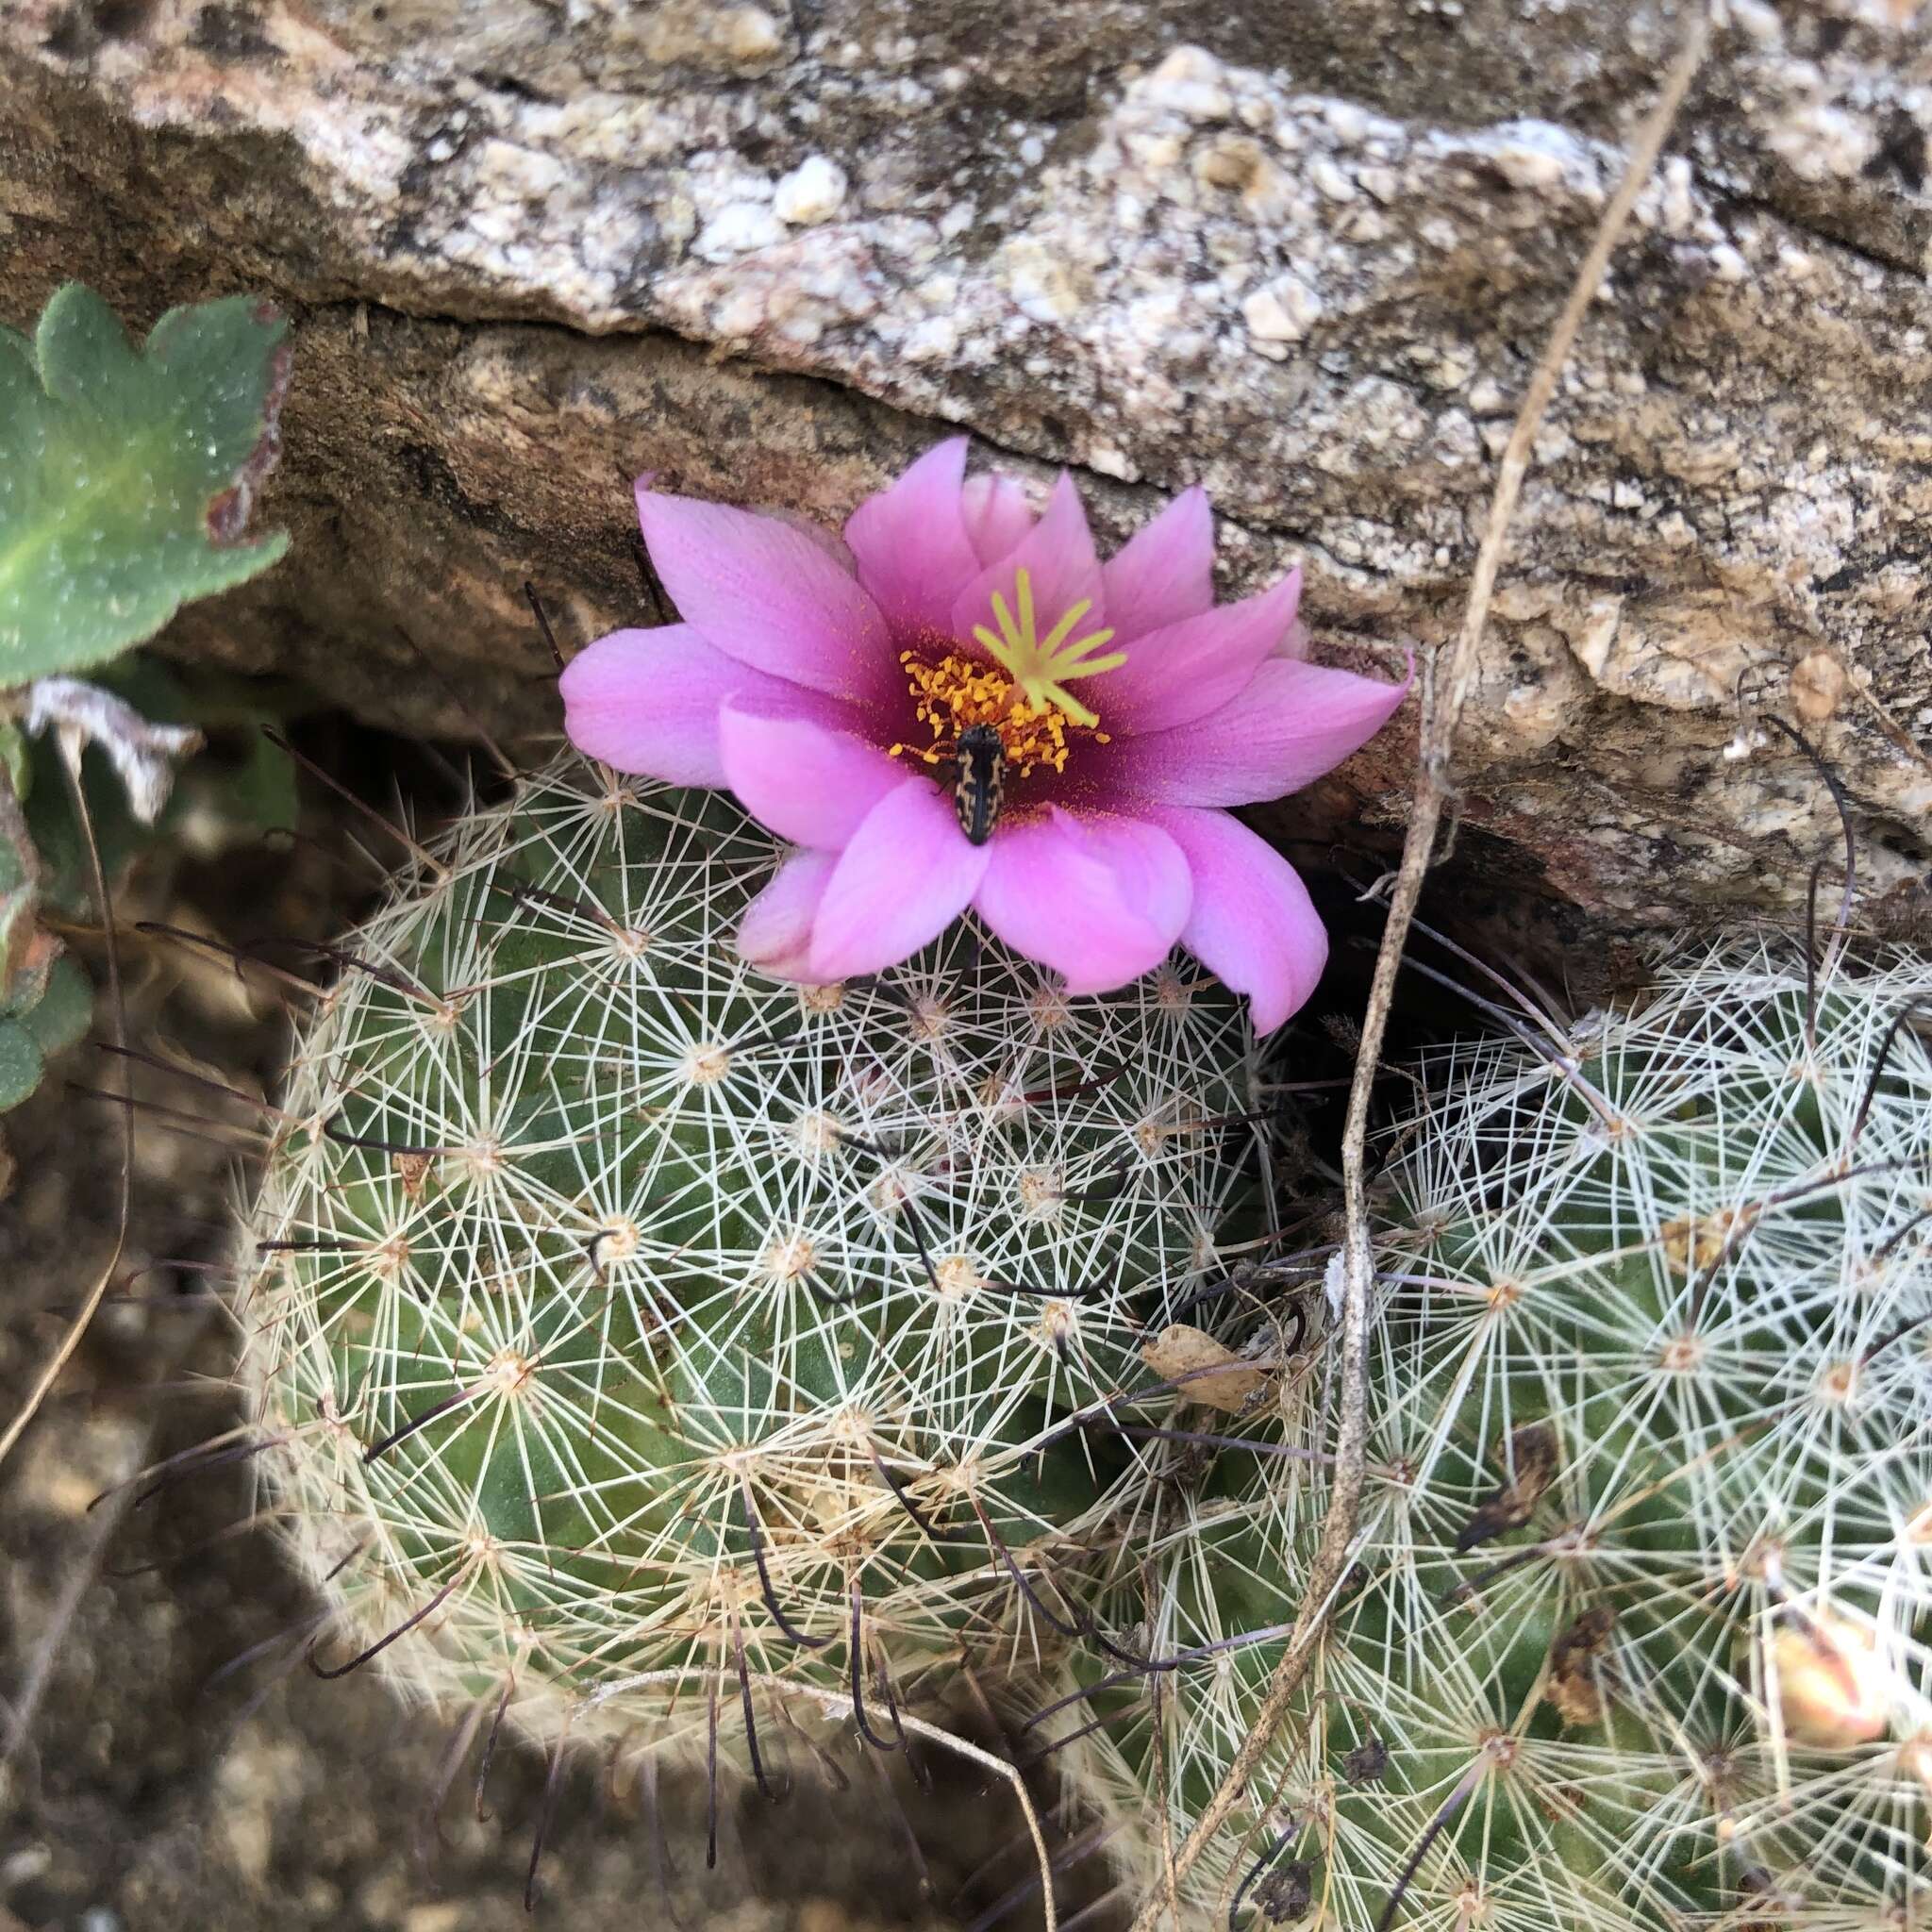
1636,1634
612,1307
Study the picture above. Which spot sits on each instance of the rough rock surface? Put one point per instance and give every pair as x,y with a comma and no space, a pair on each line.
1304,252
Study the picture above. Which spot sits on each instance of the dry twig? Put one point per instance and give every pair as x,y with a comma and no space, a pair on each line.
1443,700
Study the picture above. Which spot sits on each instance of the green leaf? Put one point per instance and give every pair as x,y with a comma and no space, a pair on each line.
126,474
14,768
22,956
63,1012
18,871
20,1065
260,792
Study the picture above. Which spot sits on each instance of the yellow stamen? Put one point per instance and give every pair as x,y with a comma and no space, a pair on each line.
1040,668
958,693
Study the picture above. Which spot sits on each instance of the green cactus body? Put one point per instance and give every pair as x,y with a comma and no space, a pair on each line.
1635,1636
589,1280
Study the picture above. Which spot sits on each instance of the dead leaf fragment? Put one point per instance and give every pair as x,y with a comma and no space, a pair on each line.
1187,1356
412,1170
1531,1452
1696,1241
1580,1667
143,754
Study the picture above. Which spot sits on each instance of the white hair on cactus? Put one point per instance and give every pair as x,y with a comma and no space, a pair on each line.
619,1309
1638,1622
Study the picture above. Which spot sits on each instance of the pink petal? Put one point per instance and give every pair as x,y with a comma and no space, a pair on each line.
1186,670
776,932
1057,553
1252,925
1100,900
1165,572
1292,723
810,784
996,513
906,874
830,541
770,596
648,701
914,554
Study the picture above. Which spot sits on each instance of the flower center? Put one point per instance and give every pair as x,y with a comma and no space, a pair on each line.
1022,695
956,694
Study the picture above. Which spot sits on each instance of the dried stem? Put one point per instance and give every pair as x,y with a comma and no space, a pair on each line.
1444,697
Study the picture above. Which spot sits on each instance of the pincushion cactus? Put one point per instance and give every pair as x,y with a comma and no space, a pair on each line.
614,1307
1635,1635
687,1259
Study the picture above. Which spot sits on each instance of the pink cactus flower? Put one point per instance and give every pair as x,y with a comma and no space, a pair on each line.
960,705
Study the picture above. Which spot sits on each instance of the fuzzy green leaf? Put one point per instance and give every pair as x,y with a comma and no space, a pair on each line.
17,868
14,762
22,956
63,1013
126,474
21,1063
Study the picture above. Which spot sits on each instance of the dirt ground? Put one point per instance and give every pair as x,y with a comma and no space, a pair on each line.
170,1764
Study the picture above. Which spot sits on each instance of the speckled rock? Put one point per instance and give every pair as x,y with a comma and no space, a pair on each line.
1306,256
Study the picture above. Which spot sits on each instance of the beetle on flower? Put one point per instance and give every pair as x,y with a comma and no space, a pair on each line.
959,705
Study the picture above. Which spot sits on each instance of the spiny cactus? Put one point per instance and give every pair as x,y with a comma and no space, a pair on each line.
1635,1632
613,1308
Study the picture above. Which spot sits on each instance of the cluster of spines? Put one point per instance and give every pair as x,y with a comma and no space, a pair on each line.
630,1330
786,1303
1636,1630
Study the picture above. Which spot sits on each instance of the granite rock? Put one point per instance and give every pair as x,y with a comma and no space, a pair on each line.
1304,253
